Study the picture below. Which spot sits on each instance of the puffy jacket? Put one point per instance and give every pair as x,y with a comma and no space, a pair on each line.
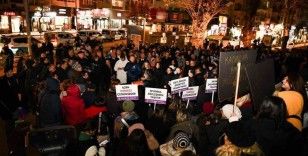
50,105
133,72
73,106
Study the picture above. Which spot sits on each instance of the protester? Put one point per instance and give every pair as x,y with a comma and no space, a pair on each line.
50,113
294,104
133,70
275,135
73,106
119,68
89,73
238,140
175,147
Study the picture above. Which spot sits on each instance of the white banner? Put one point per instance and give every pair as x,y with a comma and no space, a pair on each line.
211,85
155,95
191,93
127,92
179,85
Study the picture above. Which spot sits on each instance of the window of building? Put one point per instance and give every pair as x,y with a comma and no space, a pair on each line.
4,23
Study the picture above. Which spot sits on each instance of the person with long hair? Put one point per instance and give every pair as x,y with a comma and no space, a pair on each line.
292,95
275,135
135,145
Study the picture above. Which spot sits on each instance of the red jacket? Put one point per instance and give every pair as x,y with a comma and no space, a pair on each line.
73,106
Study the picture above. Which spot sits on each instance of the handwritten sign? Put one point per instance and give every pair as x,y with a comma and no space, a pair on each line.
156,95
191,93
228,69
127,92
179,85
211,85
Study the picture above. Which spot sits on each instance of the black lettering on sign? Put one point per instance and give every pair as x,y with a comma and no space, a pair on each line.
228,69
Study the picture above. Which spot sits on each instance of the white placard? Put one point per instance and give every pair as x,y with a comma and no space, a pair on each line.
155,95
191,93
179,85
127,92
211,85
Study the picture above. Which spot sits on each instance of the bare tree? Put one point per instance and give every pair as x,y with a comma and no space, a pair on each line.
201,12
291,9
251,8
139,8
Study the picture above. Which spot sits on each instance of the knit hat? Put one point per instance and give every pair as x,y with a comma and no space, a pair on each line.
135,126
92,151
128,106
239,134
76,65
208,108
181,140
227,111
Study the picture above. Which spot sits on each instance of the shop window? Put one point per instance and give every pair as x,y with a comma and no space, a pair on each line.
4,23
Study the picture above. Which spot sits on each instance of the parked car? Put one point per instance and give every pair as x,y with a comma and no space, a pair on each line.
59,37
18,43
113,34
93,34
106,34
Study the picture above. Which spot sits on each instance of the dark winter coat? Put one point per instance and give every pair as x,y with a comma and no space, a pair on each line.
50,113
133,72
283,141
9,92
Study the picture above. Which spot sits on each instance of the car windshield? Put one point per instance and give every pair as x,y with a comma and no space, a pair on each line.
65,35
20,40
3,39
82,33
106,32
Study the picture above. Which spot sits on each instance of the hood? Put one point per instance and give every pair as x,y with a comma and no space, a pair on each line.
52,84
73,90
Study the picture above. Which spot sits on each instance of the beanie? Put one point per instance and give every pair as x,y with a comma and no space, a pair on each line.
181,140
227,111
239,134
128,106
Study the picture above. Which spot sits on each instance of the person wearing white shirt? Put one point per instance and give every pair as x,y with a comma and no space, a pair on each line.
119,68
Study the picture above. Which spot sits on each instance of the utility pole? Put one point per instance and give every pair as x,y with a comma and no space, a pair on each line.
26,4
144,20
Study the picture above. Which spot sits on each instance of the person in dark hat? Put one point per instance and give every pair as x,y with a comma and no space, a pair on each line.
9,61
83,60
239,139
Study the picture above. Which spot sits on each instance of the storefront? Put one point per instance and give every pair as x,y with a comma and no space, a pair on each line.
84,19
47,19
117,19
11,22
101,18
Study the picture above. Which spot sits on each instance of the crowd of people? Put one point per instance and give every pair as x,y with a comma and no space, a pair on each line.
76,87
